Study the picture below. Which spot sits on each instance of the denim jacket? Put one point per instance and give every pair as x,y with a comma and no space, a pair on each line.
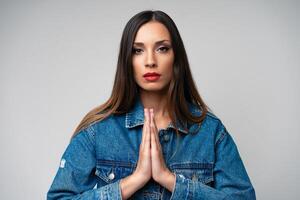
204,159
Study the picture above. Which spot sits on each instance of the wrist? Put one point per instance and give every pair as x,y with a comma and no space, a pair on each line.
129,185
167,180
140,179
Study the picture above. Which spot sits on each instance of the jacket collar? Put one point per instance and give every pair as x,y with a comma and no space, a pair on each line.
135,117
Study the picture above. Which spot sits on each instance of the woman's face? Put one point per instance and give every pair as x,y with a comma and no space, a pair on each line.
153,53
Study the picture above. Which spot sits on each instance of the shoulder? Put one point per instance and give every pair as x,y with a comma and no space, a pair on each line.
211,125
210,117
105,125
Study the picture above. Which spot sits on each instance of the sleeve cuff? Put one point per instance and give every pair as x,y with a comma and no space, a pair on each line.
110,191
181,188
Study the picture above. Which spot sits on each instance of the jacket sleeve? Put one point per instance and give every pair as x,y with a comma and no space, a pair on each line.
231,181
75,178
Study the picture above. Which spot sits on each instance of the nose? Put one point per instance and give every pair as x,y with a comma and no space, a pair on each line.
150,65
150,60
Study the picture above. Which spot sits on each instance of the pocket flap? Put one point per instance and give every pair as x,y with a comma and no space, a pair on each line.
202,172
111,171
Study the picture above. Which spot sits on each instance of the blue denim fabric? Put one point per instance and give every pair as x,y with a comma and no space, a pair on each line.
204,159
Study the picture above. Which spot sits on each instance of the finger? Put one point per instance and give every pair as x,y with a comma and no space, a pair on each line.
155,133
147,132
154,122
145,128
151,118
152,130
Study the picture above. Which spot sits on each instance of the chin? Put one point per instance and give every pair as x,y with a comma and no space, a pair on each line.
153,88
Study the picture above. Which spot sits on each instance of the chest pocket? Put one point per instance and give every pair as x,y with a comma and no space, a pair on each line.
202,172
110,170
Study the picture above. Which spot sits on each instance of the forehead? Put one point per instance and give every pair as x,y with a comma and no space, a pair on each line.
152,32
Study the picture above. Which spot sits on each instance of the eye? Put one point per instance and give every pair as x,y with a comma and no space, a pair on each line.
164,49
136,51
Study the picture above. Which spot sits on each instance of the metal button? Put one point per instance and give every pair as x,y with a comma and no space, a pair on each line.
181,176
166,138
111,176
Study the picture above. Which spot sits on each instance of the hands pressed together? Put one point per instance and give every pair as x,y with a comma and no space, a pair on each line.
151,161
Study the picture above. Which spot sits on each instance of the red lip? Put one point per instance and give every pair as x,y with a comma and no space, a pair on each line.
151,74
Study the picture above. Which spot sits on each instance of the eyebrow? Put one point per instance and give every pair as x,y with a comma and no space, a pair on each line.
156,43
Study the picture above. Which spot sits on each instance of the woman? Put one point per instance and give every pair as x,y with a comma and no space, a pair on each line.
154,138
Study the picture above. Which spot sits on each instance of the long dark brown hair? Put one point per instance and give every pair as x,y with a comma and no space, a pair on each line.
182,89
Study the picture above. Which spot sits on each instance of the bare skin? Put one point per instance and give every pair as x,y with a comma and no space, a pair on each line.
153,53
151,162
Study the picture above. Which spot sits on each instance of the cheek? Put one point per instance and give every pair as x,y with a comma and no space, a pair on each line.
167,63
137,71
136,63
167,60
169,69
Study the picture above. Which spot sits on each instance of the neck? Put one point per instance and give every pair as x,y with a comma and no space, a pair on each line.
155,100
